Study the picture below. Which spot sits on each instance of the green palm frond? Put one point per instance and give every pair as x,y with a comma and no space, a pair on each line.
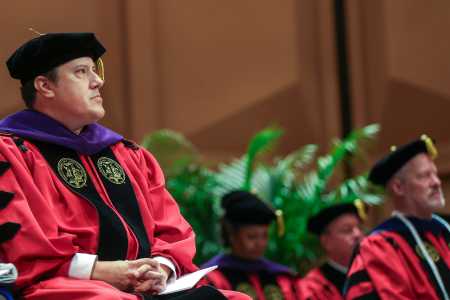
230,176
268,182
260,143
172,150
240,172
284,183
316,183
352,189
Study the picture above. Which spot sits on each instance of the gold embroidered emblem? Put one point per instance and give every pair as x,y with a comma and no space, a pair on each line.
434,255
246,288
72,172
111,170
273,292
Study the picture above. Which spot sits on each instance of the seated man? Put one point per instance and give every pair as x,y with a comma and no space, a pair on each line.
85,214
245,228
338,228
407,256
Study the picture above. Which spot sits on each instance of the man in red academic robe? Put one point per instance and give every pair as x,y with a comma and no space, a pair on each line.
407,256
338,228
84,213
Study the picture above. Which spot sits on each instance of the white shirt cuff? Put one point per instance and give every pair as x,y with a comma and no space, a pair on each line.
82,265
165,261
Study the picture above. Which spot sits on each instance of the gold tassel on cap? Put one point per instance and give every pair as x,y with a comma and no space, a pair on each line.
431,148
280,222
361,208
35,31
100,68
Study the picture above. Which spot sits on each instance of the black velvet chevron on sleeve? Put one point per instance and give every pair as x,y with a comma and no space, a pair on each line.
5,198
8,230
4,165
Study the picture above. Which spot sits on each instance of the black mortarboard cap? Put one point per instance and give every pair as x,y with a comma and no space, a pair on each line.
243,207
318,222
386,167
50,50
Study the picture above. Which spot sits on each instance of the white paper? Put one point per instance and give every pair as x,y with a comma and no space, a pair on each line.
187,281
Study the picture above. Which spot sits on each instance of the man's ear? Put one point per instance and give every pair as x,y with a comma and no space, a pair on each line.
44,86
324,238
396,186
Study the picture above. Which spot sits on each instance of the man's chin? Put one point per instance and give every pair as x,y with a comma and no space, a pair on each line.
438,203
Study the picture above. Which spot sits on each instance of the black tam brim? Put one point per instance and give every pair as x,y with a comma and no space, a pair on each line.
386,167
320,221
47,51
245,208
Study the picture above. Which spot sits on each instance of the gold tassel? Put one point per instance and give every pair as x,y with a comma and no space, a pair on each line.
280,222
100,68
35,31
393,148
361,209
431,148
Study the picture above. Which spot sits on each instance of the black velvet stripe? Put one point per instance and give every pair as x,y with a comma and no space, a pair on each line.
20,144
8,230
4,165
5,198
124,199
113,241
333,275
370,296
357,278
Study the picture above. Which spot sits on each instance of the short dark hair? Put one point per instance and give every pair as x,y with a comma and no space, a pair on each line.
29,92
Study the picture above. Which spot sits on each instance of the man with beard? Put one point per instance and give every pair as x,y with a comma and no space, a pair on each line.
407,256
338,228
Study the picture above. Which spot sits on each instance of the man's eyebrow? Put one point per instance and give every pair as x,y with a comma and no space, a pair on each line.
85,65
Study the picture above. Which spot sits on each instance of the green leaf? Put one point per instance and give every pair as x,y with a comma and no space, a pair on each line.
261,142
171,149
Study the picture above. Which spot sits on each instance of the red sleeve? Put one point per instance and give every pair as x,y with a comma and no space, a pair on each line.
378,271
40,248
217,279
170,234
314,286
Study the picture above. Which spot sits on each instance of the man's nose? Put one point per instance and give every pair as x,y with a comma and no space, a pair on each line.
97,81
357,233
435,180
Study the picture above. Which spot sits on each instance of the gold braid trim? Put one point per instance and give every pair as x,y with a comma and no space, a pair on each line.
100,68
280,222
361,209
431,148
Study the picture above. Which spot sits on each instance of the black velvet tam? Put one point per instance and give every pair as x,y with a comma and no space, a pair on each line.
318,222
47,51
385,168
242,207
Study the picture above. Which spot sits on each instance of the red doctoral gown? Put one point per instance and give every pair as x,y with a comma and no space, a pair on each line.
323,283
388,265
56,221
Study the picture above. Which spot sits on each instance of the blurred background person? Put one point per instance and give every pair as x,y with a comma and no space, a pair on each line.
245,230
408,255
339,230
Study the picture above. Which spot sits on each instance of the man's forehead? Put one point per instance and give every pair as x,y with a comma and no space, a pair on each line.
86,60
421,161
344,219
